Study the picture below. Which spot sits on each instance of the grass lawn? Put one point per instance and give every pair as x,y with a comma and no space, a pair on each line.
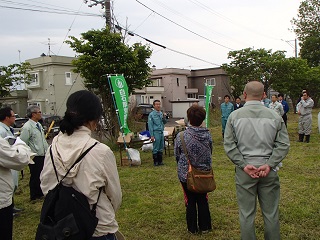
153,205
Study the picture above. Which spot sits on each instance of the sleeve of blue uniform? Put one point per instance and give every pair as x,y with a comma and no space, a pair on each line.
150,124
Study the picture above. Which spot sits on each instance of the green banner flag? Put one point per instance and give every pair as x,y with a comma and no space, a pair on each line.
209,89
121,97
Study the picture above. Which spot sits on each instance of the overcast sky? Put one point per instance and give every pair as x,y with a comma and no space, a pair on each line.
217,26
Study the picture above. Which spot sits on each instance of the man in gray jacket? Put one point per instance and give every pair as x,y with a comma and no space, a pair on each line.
304,109
33,135
256,141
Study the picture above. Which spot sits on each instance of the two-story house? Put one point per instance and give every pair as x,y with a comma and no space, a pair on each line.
52,83
179,88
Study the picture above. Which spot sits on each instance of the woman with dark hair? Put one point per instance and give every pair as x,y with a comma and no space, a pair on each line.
97,169
199,148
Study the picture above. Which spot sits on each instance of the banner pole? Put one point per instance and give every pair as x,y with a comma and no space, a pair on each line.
117,113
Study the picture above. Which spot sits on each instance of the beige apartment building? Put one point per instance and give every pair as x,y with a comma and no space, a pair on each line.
52,83
179,88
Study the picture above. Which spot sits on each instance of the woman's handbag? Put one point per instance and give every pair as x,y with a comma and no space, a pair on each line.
198,181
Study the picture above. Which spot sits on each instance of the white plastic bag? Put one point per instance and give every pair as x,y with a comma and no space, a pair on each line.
147,145
134,156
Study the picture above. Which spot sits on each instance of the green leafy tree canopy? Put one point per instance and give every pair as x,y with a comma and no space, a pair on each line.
101,52
249,64
307,27
12,75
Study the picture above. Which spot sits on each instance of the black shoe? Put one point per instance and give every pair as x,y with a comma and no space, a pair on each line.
156,164
193,232
16,210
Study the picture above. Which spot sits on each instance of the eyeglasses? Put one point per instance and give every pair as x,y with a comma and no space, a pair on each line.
37,112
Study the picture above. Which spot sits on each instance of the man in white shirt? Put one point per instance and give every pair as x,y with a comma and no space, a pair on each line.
276,106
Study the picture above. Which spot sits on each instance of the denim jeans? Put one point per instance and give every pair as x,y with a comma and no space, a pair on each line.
109,236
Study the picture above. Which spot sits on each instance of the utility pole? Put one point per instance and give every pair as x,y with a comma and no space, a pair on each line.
296,48
104,4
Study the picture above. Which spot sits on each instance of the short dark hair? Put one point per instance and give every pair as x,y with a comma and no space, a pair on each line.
281,95
226,96
82,106
238,98
274,95
196,115
5,112
154,102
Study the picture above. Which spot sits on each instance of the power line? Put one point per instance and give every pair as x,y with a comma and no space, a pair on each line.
131,33
193,21
205,7
63,12
184,27
69,29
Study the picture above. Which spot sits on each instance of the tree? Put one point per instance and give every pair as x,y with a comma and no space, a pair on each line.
310,50
249,64
292,77
12,75
102,52
307,28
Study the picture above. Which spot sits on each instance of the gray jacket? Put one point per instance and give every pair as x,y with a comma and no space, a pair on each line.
305,107
256,135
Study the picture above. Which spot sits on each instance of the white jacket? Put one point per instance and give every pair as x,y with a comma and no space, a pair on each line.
97,169
11,157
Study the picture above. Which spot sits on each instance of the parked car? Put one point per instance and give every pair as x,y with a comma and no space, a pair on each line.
143,111
46,122
19,122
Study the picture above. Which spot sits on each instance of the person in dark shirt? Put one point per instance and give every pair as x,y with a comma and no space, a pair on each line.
238,103
285,107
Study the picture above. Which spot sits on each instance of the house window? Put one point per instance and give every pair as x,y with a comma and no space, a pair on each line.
211,81
38,104
155,82
34,81
68,78
192,95
177,82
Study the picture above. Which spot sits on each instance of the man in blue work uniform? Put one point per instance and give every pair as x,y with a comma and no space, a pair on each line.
226,108
156,121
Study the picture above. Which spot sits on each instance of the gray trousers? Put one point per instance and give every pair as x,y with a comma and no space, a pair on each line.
304,124
267,190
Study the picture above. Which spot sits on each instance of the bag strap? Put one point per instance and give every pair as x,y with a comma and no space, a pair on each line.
184,145
94,207
77,161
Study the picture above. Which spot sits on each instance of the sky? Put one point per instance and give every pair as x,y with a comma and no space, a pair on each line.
205,30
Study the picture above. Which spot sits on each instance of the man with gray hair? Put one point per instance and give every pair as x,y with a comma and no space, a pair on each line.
33,135
256,141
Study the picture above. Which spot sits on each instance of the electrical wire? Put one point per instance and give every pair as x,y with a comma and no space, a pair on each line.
197,34
207,8
131,33
210,30
143,21
62,12
69,29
